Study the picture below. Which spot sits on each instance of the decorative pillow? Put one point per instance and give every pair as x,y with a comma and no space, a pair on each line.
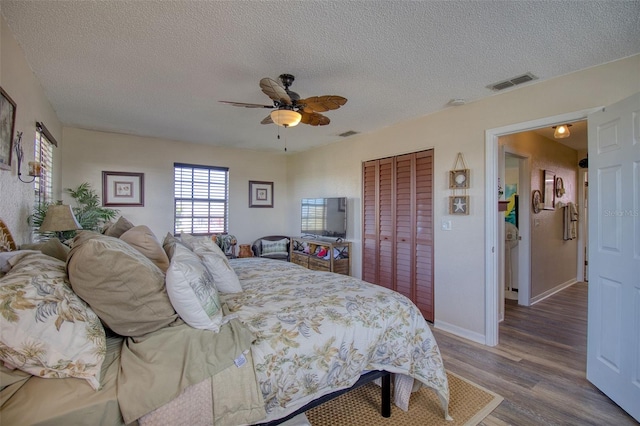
169,244
216,262
204,241
224,277
121,226
122,286
52,247
5,256
192,292
143,239
46,329
272,247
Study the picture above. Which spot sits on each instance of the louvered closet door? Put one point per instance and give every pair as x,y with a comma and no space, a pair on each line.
398,226
423,296
369,221
386,226
404,224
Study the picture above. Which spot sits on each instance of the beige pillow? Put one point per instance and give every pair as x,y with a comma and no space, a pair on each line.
143,239
52,247
124,288
121,226
169,245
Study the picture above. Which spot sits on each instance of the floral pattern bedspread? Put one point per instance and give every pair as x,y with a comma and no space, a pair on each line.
317,331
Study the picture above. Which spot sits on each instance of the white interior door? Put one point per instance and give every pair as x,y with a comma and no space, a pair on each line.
613,348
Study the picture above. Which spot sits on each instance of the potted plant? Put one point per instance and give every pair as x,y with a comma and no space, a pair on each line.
88,212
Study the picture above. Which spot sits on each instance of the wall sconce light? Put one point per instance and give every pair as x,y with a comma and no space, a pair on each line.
35,168
562,131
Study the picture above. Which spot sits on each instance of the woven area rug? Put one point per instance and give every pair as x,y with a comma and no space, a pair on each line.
468,405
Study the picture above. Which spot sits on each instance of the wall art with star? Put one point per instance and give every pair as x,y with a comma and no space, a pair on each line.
459,204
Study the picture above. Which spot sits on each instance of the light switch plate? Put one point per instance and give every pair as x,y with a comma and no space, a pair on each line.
446,225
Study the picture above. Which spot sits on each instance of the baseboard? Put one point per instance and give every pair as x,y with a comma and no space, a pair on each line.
553,291
461,332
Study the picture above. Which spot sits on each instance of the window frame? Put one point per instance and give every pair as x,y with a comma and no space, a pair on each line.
43,145
188,190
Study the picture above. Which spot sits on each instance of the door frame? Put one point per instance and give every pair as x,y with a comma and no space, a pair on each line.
492,281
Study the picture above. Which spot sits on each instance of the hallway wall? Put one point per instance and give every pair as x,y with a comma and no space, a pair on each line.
553,260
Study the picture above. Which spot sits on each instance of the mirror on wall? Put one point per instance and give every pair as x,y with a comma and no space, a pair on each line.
549,190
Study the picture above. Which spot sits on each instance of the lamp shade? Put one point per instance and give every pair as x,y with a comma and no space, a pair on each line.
59,218
562,131
286,117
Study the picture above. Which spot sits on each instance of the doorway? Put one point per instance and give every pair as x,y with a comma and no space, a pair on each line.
493,262
515,224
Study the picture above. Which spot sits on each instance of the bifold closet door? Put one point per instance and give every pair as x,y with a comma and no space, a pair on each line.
398,226
378,232
423,244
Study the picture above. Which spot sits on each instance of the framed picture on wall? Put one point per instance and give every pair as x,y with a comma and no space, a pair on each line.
123,189
459,204
260,194
7,127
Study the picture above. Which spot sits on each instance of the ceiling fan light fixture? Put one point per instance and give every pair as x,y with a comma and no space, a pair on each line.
286,117
562,131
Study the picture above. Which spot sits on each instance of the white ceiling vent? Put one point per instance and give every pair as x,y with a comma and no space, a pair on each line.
348,133
501,85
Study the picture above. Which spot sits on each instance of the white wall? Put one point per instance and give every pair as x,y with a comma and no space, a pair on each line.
459,253
17,79
87,154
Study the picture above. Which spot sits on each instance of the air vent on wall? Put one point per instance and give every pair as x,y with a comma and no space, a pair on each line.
348,133
501,85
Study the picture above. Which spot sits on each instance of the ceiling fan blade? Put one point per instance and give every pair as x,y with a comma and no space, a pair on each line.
267,120
272,89
246,105
322,103
314,119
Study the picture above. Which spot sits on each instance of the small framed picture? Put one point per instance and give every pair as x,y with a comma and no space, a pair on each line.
459,179
459,204
260,194
123,189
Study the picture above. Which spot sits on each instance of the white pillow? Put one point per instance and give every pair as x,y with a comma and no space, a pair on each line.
192,292
203,242
224,277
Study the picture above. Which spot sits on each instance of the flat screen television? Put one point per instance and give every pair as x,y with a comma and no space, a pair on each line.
324,217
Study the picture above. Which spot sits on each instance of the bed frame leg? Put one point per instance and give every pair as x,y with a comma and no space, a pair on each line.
385,406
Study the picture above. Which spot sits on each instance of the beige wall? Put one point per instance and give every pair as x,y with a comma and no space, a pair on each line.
87,154
553,260
459,253
17,79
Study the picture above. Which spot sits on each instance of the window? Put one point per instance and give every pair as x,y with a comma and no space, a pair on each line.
201,197
43,187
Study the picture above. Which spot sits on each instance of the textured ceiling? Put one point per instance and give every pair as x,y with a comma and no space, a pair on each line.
159,68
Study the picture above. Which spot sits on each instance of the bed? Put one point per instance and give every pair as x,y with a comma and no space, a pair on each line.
288,339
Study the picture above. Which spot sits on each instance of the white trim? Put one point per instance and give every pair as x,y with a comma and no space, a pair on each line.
492,292
459,331
553,291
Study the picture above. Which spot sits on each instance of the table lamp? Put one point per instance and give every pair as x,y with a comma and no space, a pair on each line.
59,218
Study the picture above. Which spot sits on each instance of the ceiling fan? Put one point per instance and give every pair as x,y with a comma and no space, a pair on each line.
289,109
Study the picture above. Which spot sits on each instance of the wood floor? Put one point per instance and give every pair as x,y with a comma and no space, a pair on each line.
538,367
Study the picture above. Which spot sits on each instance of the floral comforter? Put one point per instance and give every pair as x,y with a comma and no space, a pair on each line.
317,331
